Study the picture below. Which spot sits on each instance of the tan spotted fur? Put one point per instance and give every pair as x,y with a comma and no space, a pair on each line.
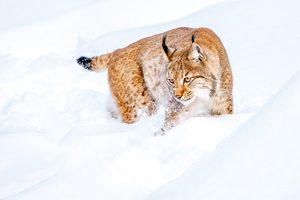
189,79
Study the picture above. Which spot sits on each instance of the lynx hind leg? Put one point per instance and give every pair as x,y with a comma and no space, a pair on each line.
128,112
145,102
111,107
129,91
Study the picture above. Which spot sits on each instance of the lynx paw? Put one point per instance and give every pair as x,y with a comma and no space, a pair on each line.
85,62
160,132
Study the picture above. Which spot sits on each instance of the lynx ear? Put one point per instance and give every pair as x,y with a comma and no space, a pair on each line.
196,52
168,51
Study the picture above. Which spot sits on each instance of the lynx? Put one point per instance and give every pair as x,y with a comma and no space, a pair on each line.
186,70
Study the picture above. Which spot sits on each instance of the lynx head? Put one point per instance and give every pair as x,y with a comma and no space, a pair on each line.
188,74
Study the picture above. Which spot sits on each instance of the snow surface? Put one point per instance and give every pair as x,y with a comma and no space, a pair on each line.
57,141
259,161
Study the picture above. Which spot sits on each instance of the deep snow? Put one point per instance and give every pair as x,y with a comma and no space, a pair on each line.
57,141
259,161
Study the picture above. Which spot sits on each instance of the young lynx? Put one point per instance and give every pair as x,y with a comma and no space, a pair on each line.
185,69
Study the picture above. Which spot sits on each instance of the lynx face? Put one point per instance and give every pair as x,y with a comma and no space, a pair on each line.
188,75
189,79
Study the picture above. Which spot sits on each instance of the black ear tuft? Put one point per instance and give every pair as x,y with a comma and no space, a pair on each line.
166,49
85,62
193,38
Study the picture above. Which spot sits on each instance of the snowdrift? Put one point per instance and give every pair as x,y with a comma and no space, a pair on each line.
259,161
57,141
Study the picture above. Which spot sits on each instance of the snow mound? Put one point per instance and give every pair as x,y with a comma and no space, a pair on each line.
259,161
27,159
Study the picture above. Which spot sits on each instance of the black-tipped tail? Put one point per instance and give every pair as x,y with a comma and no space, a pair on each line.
85,62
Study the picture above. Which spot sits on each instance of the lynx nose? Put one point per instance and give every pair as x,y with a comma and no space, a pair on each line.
178,92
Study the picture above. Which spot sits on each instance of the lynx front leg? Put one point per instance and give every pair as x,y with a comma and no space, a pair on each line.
174,114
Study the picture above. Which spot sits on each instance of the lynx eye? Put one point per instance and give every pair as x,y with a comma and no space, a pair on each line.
187,79
171,81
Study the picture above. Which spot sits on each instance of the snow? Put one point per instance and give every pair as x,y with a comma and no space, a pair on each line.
56,27
259,161
58,141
